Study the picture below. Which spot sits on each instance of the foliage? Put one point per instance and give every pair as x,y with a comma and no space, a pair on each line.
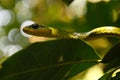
60,59
51,61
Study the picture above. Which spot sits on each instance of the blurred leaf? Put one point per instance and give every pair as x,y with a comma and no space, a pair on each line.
112,57
7,3
68,1
52,60
114,53
99,14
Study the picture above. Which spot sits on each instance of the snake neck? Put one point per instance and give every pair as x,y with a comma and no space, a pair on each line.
99,33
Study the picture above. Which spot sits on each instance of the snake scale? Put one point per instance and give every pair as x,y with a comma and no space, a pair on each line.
40,30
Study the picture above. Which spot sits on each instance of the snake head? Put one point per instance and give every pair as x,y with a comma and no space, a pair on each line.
37,30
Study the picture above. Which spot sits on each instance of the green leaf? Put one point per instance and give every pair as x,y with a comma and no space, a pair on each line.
112,54
99,14
9,4
107,76
112,57
113,74
51,60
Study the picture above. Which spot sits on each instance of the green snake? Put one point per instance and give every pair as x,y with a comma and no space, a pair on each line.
41,30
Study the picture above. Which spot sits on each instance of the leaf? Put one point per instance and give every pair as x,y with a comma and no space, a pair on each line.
112,57
99,14
113,53
107,76
51,60
7,3
113,74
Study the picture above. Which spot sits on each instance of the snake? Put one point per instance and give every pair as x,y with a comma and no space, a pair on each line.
45,31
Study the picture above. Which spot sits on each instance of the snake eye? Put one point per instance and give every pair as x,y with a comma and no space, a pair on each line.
35,26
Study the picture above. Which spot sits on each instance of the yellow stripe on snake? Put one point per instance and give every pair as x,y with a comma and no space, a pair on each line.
43,31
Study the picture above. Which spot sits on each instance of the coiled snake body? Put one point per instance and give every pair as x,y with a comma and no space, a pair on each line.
40,30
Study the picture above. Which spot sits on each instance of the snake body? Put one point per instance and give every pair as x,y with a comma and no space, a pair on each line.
40,30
